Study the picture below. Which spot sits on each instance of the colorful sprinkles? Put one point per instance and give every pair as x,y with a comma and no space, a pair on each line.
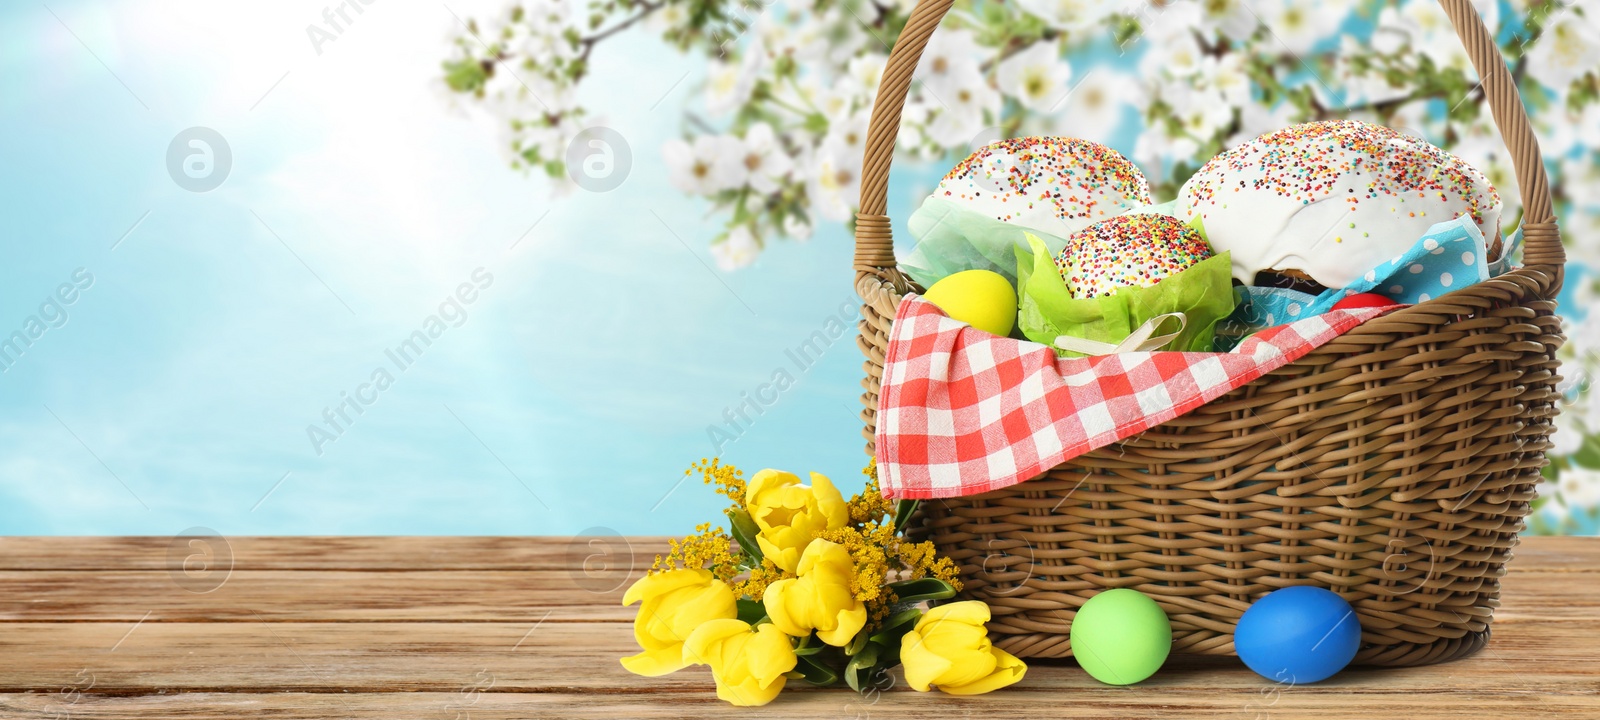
1081,180
1128,251
1368,163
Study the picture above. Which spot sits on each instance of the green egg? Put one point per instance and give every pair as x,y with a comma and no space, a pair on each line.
1121,636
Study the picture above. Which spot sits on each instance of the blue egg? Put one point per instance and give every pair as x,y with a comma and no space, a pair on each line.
1298,635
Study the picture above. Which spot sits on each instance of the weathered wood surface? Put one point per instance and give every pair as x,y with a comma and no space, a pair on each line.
532,628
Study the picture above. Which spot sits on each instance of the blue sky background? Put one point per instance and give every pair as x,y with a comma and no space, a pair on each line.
190,369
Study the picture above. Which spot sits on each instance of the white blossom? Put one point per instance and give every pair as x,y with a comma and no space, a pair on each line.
1179,56
765,162
866,72
1037,77
1299,25
849,135
1584,224
1568,50
1427,32
1070,15
1155,149
1586,124
1201,111
775,37
796,228
962,109
668,16
1581,181
711,164
1228,77
835,184
1568,437
846,35
728,84
913,135
1579,488
952,56
1165,22
1095,108
1232,18
739,249
837,101
546,17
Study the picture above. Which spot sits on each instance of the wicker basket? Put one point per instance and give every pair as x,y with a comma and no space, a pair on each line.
1393,465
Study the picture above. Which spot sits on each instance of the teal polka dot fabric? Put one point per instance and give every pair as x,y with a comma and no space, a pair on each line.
1451,256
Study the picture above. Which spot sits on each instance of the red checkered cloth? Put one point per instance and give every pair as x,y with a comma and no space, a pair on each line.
963,412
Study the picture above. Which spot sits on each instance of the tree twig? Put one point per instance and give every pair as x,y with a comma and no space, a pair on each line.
589,42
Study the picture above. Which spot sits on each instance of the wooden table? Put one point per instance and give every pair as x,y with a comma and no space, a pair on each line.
517,628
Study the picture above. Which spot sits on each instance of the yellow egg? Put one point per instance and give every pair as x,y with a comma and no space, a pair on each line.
980,298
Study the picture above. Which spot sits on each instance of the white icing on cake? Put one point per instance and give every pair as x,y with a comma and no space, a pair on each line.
1055,185
1332,199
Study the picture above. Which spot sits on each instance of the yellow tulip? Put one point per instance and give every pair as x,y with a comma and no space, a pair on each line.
950,648
820,599
675,603
747,663
789,514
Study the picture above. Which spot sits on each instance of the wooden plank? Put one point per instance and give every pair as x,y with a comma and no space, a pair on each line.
484,596
322,596
1557,554
332,553
1135,703
1535,554
119,658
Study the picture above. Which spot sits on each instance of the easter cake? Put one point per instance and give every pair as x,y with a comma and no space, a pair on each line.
1134,250
1057,185
1323,203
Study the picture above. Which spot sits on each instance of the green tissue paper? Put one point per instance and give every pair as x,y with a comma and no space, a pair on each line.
1046,310
952,238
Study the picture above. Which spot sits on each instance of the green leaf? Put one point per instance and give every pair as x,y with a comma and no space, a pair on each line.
807,647
816,671
922,589
816,124
1588,455
896,626
856,644
745,531
902,513
861,666
751,611
465,75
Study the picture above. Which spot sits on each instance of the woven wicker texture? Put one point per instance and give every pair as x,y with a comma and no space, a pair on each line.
1394,465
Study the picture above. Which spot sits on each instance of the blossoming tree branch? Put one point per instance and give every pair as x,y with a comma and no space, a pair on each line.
774,141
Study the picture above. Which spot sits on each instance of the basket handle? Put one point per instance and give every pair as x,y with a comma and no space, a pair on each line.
874,237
